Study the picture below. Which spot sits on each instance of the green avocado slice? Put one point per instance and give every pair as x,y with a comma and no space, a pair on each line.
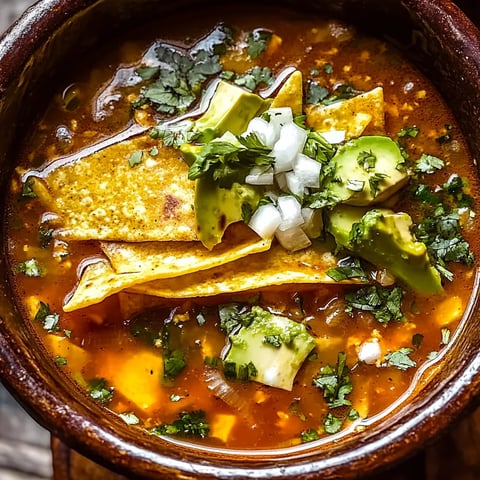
383,238
366,171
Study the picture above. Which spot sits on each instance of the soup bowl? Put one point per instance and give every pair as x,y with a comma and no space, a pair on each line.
437,37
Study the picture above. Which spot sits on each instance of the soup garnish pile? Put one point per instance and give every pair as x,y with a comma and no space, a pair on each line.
252,238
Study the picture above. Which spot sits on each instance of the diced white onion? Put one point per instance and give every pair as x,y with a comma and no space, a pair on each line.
369,351
293,239
265,220
294,185
290,143
280,116
290,211
334,136
266,132
307,170
260,176
312,221
281,180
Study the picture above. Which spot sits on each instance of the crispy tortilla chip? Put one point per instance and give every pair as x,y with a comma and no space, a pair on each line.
291,93
353,116
99,280
171,259
106,196
274,267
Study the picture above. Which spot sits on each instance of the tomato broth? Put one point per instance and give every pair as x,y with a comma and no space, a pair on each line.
158,362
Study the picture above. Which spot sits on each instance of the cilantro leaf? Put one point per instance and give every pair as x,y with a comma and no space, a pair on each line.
384,303
335,382
135,158
30,268
188,424
309,435
409,131
429,164
348,267
315,92
27,189
257,42
332,424
100,391
400,359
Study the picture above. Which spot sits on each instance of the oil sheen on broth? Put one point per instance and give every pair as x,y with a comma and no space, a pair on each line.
146,333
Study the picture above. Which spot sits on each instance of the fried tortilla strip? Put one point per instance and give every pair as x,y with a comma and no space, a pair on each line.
274,267
107,195
171,259
99,280
353,116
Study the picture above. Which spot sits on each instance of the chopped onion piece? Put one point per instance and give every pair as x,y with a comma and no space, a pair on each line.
290,211
280,116
313,221
293,239
281,179
307,170
334,136
294,184
266,132
265,220
290,143
370,351
260,176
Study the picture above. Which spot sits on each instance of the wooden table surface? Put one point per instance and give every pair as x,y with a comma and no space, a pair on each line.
28,453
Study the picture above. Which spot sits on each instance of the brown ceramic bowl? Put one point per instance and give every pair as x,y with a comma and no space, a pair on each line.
441,41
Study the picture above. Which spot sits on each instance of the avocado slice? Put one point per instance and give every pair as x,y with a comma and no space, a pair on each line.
366,171
230,109
216,208
274,346
384,238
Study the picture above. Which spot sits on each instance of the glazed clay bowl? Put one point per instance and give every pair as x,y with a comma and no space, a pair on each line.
441,41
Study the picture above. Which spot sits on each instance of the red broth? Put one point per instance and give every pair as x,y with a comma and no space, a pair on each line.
119,341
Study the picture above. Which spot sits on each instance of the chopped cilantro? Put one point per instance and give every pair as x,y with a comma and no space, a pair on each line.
374,182
135,158
384,303
342,92
309,435
129,418
50,322
347,268
27,189
45,236
332,424
412,131
174,363
174,135
273,340
99,391
257,42
367,160
59,360
42,312
253,78
30,268
174,84
175,397
429,164
400,359
446,137
230,317
335,382
188,424
315,93
328,68
226,162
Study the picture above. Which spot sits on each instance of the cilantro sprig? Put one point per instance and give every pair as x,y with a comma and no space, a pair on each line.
384,303
192,424
174,84
227,162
